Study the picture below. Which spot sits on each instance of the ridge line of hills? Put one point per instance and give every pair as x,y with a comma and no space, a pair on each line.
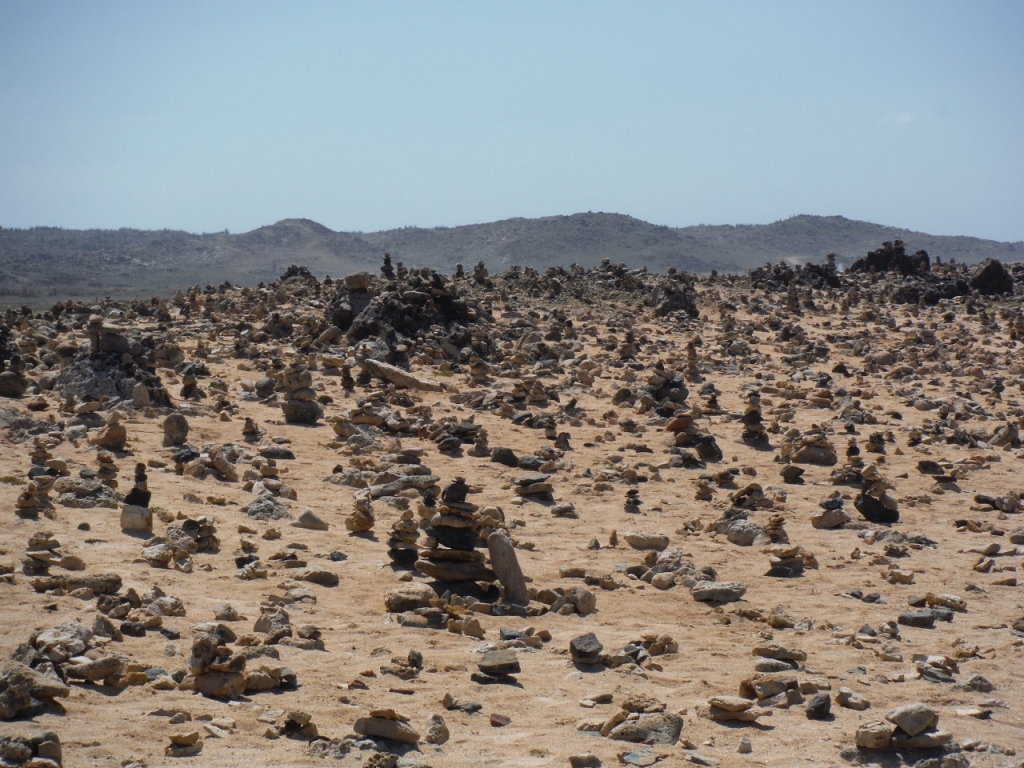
51,262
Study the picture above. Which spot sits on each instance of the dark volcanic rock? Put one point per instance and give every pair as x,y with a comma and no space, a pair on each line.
873,510
991,278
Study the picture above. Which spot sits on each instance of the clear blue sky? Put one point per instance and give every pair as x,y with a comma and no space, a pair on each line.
211,115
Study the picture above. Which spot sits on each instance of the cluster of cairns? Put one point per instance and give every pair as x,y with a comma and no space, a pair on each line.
588,370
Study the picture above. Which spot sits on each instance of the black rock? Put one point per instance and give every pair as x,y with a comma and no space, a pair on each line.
707,448
531,463
463,539
820,707
277,453
185,455
991,278
133,628
933,675
484,679
942,613
455,491
872,510
138,498
586,649
449,445
921,619
403,556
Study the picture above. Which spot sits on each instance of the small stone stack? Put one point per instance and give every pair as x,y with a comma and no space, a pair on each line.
535,486
250,431
692,371
754,433
135,514
387,270
633,502
402,545
775,529
479,370
299,404
190,383
832,514
107,472
876,443
450,554
176,547
347,382
811,447
40,554
361,520
480,273
875,503
537,396
35,499
39,454
480,447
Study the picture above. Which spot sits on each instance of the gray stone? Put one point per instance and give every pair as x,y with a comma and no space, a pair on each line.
135,518
437,731
652,728
820,707
874,735
501,662
584,600
408,597
718,591
586,649
913,718
505,565
175,430
309,519
383,728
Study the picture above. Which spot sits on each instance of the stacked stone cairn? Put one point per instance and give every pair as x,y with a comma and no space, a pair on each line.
875,503
40,554
402,545
250,431
754,433
135,514
35,499
107,472
299,404
480,447
450,553
361,520
811,447
633,502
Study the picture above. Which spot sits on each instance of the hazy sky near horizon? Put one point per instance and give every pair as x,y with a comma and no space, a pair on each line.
210,115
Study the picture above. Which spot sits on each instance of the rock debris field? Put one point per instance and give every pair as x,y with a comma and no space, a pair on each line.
575,518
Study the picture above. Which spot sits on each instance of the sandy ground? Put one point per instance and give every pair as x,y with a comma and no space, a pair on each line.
106,727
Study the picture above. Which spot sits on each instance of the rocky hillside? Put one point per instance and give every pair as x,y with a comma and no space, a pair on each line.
47,262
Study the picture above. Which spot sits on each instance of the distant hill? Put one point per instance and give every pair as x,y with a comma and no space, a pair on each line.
45,262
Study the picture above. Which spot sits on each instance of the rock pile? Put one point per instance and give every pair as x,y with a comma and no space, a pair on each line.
449,552
299,403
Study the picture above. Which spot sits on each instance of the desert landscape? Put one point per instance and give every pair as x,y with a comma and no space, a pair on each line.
538,517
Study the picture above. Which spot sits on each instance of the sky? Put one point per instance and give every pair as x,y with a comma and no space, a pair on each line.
206,116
